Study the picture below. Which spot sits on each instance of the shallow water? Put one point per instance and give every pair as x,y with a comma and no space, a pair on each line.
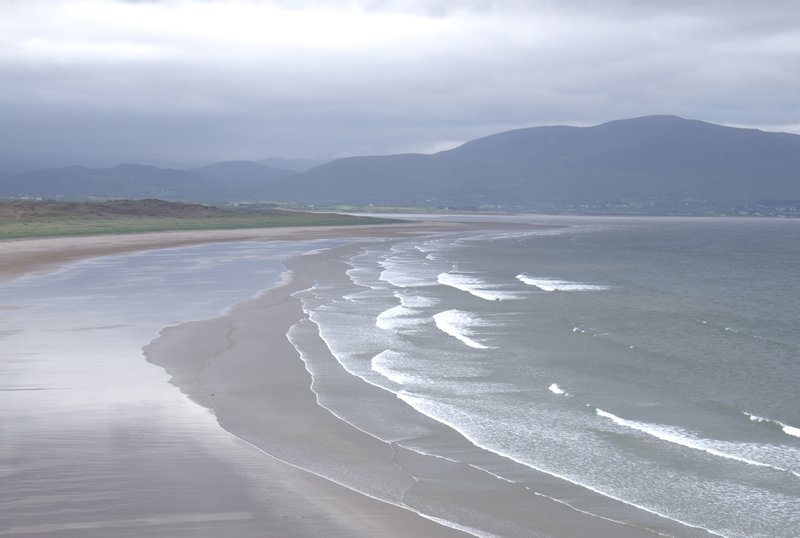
636,370
651,361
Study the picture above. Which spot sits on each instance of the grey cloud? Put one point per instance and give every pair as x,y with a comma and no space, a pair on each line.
447,71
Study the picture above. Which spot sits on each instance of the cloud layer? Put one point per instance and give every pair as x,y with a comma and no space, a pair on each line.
203,80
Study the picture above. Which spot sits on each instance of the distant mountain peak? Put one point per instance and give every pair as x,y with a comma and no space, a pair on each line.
637,164
657,163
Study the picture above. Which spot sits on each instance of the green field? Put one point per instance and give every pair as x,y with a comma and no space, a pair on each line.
53,219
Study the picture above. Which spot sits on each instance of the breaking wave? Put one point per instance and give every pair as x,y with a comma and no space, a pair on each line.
474,286
458,325
554,284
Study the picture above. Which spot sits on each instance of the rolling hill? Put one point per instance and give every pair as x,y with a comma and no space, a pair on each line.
649,164
649,160
225,181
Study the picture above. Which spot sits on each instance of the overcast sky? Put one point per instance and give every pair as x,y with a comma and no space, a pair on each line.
207,80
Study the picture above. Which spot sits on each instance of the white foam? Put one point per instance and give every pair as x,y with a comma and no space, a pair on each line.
415,301
457,324
788,430
316,251
474,286
382,364
364,269
404,277
527,488
683,438
402,267
405,316
395,319
555,389
361,276
433,252
419,402
554,284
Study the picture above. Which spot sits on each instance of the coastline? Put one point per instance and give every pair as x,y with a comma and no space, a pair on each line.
242,363
243,368
35,256
221,364
222,484
94,449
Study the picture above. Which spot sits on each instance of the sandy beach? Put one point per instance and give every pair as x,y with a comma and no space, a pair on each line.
242,364
23,256
76,470
281,464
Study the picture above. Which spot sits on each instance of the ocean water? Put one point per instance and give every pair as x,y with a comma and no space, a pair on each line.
640,370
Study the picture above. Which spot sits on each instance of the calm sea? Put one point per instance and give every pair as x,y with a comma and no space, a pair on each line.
651,365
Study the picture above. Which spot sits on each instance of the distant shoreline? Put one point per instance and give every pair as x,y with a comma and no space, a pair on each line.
23,256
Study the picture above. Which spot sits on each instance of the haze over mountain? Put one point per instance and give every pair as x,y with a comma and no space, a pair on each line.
225,181
649,162
244,176
641,161
295,165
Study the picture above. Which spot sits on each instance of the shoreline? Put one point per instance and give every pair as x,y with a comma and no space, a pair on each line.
219,363
241,363
19,257
235,488
255,466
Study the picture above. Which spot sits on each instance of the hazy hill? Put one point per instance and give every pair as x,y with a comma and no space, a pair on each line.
654,158
295,165
249,178
122,181
234,180
12,164
654,163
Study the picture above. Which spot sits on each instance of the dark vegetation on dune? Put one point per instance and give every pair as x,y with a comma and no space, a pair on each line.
26,218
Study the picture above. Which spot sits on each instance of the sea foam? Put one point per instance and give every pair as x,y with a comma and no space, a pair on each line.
474,286
721,449
457,324
405,316
554,284
788,430
384,363
436,411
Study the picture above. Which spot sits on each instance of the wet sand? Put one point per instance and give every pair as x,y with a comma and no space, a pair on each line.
156,469
21,256
71,466
243,366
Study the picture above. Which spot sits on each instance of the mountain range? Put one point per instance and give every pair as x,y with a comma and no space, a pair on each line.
653,161
224,181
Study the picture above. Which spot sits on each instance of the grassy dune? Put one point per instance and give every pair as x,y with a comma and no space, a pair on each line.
28,219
